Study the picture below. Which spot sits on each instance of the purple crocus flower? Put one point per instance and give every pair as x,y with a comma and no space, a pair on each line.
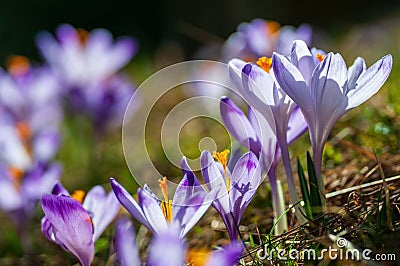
186,208
125,243
29,97
248,131
29,117
256,83
166,248
326,90
86,65
261,37
236,189
75,222
30,113
20,190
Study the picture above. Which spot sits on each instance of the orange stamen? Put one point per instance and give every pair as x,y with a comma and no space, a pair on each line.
265,63
18,65
272,27
197,257
17,174
320,57
24,131
83,35
78,195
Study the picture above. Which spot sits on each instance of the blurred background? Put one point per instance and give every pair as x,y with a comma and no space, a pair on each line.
174,31
184,23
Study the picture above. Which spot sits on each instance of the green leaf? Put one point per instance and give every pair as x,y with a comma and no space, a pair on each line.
252,244
315,196
304,189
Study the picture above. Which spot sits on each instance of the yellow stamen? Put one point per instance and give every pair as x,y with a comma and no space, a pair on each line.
166,205
265,63
320,57
18,65
222,157
228,183
164,187
166,208
78,195
83,35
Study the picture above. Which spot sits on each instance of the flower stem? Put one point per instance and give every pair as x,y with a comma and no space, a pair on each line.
317,153
289,177
278,203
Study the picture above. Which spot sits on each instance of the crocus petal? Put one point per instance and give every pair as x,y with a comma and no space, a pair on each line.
239,125
46,144
39,180
72,224
235,67
188,186
67,35
228,256
59,189
266,135
292,82
213,176
327,85
354,72
47,229
166,249
370,81
296,125
303,59
212,172
129,203
258,82
246,178
10,198
246,171
125,243
12,149
152,210
187,216
102,209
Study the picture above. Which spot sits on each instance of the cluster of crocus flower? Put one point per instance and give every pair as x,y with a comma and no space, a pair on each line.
256,83
254,133
288,89
30,114
309,89
87,65
75,222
